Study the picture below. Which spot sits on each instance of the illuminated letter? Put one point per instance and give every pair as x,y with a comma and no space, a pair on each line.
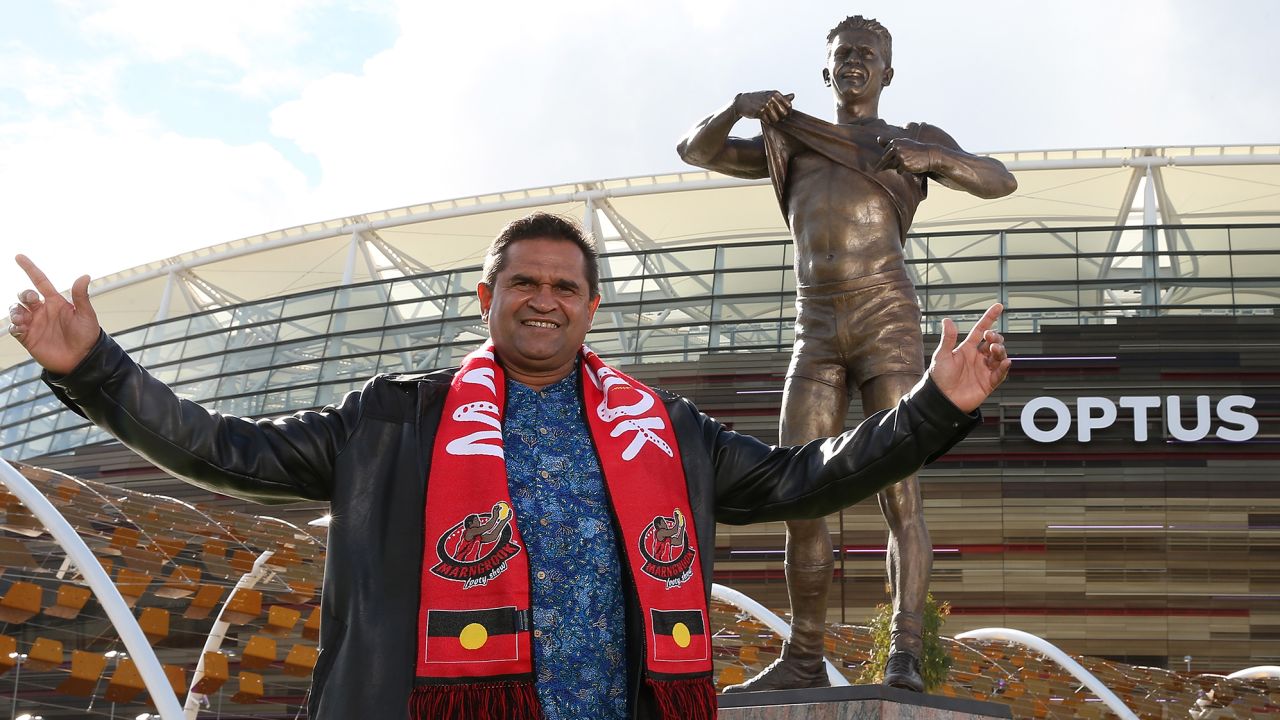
1087,421
1228,413
1140,404
1173,416
1058,407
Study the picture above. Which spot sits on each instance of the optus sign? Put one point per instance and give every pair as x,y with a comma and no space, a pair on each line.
1047,419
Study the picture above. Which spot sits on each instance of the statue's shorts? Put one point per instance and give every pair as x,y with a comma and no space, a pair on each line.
852,331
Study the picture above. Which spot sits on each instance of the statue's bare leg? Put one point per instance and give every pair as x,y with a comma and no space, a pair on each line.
909,558
810,410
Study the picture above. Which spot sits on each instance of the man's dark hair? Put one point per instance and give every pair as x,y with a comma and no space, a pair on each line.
857,22
543,225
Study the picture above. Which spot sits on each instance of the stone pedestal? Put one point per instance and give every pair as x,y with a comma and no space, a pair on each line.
855,702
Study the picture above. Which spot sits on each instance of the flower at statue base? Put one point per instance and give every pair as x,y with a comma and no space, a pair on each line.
936,661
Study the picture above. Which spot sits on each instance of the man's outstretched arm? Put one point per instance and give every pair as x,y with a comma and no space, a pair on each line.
709,145
936,154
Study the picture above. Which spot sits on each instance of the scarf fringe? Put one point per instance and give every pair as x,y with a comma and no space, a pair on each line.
486,701
690,699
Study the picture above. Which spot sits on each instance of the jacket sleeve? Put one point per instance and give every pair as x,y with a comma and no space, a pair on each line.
267,461
755,482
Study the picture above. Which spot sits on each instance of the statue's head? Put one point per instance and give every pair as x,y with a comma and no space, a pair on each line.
859,58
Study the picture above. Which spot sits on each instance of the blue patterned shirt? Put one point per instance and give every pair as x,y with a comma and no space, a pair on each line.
562,511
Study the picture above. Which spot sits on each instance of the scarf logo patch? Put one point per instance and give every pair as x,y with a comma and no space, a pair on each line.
637,404
476,550
664,545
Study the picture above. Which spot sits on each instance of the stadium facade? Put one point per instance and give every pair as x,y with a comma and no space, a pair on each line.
1120,500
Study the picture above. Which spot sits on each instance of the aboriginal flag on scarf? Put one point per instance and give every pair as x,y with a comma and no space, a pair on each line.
475,650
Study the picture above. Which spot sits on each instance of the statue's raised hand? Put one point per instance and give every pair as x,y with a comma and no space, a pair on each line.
57,333
769,106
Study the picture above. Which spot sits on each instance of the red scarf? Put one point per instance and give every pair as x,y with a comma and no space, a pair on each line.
475,654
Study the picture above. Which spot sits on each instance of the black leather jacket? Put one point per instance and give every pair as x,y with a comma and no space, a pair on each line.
369,455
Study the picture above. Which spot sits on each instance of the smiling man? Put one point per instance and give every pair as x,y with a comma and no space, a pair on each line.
593,602
848,191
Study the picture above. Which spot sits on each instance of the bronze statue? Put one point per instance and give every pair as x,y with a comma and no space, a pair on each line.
849,191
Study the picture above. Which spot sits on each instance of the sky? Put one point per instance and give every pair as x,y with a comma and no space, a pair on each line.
134,130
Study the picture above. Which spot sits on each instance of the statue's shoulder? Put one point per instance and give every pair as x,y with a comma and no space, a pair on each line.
924,132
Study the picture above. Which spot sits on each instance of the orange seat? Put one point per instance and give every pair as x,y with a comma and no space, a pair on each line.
299,592
731,675
311,628
280,620
250,689
215,674
177,678
86,668
242,561
8,646
70,601
749,653
20,603
170,546
205,600
181,582
125,683
244,606
45,654
154,623
122,538
301,660
259,652
132,584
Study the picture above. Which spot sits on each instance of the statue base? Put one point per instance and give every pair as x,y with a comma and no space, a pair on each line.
854,702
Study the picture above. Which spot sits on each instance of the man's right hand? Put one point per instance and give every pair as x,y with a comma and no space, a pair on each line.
767,105
58,334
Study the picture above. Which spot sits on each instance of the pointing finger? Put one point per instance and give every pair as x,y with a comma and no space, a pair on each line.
984,324
38,278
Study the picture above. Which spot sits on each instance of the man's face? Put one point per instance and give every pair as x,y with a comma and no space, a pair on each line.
857,65
539,309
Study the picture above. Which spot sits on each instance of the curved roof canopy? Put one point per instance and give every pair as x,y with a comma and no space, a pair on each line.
1057,188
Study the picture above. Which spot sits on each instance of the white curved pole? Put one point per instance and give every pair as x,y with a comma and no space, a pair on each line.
1053,652
771,621
218,632
121,617
1258,671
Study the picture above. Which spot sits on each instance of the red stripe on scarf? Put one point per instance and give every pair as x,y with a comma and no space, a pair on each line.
475,592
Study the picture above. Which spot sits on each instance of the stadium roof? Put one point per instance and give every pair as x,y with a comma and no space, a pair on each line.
1057,189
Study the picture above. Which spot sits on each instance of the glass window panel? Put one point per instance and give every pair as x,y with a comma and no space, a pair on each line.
623,288
355,367
256,313
239,362
308,304
353,320
364,295
1193,266
951,246
421,358
294,375
69,440
14,413
294,353
171,330
242,337
1257,292
1117,293
916,247
956,271
208,322
204,345
243,383
1201,293
302,327
354,344
131,339
767,281
36,447
1123,266
752,310
689,286
39,424
1255,238
464,306
418,288
736,257
749,335
1197,239
414,311
25,391
161,354
1047,242
26,371
248,406
617,316
1258,266
687,261
954,303
1041,269
1096,241
10,436
1043,296
196,369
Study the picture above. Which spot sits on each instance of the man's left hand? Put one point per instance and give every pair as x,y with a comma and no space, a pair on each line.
908,155
969,372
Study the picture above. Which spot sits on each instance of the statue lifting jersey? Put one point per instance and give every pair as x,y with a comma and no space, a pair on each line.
848,191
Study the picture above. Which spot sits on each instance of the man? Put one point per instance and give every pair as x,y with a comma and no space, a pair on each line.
848,192
570,611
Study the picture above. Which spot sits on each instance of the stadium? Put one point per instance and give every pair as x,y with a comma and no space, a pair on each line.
1119,501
